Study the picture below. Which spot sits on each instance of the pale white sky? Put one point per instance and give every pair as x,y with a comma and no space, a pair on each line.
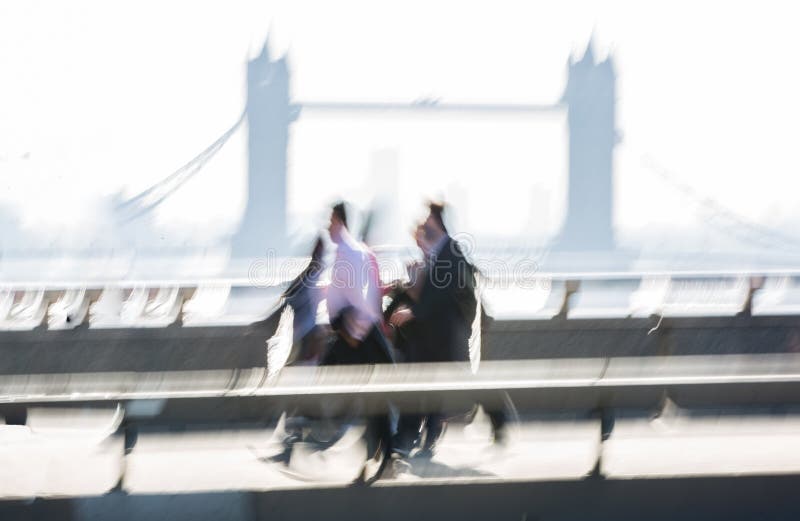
101,96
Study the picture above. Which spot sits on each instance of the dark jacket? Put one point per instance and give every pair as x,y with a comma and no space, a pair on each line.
444,313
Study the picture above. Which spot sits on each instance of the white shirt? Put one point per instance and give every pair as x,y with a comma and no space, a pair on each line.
353,284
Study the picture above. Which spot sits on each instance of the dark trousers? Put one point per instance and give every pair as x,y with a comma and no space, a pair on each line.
498,419
410,429
374,349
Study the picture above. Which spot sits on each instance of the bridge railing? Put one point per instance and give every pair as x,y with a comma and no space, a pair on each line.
160,303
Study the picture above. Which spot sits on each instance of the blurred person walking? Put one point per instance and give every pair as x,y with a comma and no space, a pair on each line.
440,319
354,300
437,324
304,295
404,295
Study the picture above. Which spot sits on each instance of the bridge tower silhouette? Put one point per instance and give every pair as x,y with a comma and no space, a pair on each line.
590,97
269,113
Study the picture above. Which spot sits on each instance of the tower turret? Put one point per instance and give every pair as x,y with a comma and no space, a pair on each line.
269,113
590,96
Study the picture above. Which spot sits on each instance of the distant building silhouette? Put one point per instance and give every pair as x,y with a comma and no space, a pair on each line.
590,97
269,113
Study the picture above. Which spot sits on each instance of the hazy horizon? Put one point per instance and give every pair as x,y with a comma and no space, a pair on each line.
102,100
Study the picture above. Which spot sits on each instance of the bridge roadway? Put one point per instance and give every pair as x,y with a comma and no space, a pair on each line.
168,412
584,435
743,498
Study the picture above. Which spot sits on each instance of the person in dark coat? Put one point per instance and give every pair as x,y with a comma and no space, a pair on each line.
446,306
404,294
438,326
440,321
304,294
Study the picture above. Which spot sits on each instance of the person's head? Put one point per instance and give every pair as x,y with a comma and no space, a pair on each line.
434,224
420,238
338,222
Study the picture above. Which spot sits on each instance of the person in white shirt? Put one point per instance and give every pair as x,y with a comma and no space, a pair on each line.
354,299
